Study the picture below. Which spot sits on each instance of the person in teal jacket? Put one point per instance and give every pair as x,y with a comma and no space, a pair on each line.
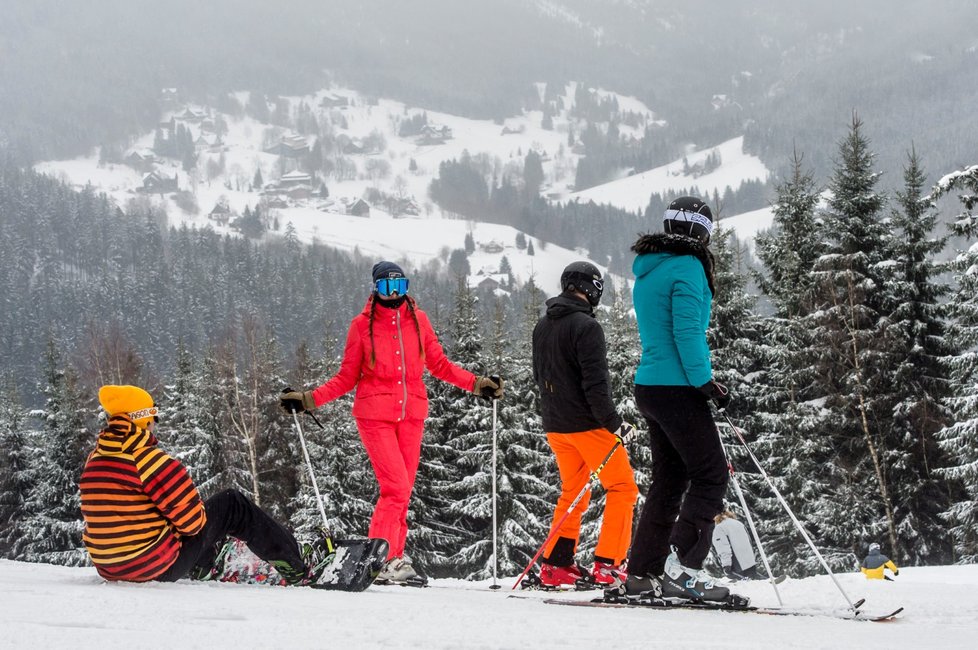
673,385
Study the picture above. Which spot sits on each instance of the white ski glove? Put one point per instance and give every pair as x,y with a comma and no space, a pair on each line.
626,433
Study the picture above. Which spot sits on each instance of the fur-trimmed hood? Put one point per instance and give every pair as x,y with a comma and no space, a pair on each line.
678,245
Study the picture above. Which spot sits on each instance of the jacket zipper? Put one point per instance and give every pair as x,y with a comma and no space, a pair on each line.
400,342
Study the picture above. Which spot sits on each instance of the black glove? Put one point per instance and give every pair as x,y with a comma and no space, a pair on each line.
717,392
626,433
488,387
293,400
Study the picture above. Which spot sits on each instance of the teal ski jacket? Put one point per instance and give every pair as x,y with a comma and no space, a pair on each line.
672,294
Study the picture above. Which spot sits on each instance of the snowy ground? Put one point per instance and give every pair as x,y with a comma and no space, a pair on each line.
44,606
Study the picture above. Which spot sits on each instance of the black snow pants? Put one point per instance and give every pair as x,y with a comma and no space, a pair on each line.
232,513
689,479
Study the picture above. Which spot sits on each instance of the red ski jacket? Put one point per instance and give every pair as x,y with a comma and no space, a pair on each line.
389,384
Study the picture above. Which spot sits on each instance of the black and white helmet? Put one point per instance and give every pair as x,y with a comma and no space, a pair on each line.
584,277
689,216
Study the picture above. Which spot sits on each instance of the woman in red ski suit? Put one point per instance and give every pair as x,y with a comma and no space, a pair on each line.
388,347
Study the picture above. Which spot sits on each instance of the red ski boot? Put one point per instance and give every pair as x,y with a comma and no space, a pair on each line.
604,574
555,577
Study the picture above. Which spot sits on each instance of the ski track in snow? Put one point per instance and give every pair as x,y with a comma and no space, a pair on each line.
44,606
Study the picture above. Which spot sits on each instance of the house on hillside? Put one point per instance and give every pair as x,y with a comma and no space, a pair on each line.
350,146
434,134
192,116
295,184
142,160
359,208
488,284
513,130
405,206
290,146
221,214
330,100
156,182
492,247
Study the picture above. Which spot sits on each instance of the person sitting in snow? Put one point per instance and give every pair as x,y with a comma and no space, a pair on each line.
732,544
875,564
144,519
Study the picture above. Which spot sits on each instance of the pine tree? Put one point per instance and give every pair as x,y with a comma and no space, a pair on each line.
920,383
459,440
16,479
788,424
183,412
960,439
52,529
852,352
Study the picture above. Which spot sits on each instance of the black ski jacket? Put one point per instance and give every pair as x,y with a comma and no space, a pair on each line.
570,366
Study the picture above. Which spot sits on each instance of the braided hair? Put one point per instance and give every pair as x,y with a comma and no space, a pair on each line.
412,307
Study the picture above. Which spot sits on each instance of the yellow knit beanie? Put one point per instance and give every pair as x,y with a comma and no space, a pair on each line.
129,400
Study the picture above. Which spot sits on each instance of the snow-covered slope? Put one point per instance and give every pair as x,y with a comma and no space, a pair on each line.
401,166
632,192
45,606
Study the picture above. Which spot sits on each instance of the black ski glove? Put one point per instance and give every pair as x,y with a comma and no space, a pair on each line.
489,388
293,400
717,392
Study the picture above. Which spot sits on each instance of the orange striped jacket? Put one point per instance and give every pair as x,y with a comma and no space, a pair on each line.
137,503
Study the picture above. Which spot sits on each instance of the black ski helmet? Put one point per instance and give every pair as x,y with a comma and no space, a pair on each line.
584,277
689,216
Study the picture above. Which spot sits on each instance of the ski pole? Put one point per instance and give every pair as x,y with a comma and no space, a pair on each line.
750,520
495,557
570,509
791,514
312,474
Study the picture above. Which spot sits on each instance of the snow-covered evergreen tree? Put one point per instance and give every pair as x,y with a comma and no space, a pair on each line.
960,439
15,459
51,532
182,431
852,354
525,468
919,350
788,424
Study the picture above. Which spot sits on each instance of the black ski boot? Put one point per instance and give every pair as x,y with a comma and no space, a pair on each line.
635,589
682,584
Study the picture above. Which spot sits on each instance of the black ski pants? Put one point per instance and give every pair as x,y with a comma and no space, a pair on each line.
232,513
689,479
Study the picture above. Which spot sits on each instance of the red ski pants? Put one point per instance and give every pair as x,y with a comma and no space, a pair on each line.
394,449
579,454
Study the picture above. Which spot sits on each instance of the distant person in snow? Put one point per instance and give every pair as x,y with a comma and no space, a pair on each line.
875,564
388,347
673,291
731,543
144,519
570,366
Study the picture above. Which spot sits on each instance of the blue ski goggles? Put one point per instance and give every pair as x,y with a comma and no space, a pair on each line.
390,286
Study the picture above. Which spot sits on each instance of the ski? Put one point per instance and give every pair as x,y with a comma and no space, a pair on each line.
657,603
418,582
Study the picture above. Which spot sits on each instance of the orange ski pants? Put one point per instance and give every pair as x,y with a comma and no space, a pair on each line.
579,454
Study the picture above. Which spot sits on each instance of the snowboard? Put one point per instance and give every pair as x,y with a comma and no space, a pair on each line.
353,564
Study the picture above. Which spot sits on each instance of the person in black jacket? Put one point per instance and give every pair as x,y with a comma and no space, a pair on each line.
571,368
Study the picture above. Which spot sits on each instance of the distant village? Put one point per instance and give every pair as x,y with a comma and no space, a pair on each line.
191,132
